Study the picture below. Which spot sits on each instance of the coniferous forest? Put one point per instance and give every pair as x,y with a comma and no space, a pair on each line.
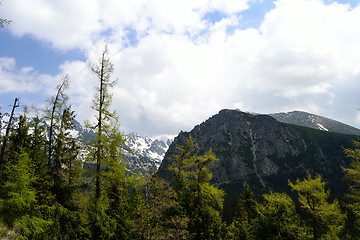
54,187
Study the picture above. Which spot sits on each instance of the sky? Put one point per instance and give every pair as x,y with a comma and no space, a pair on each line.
180,62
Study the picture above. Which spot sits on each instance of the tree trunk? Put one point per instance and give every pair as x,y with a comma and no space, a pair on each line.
3,147
99,143
52,122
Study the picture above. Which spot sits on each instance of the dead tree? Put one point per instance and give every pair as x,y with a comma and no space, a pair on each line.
3,147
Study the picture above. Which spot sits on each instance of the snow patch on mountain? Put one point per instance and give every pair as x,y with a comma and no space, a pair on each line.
314,121
142,154
321,127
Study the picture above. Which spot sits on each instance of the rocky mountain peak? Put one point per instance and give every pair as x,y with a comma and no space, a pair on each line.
262,151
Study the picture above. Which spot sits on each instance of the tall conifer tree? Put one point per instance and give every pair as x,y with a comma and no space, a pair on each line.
108,212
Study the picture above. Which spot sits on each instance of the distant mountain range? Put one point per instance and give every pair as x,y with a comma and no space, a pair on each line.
142,154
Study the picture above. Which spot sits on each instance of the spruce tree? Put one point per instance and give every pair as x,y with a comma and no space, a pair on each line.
244,224
53,114
22,202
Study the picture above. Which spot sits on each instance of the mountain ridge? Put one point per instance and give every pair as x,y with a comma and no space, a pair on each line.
306,119
264,152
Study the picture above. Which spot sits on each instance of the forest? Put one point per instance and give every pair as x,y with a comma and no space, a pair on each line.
54,187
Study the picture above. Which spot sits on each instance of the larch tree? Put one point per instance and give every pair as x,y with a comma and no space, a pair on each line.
326,219
201,201
110,189
353,174
278,218
105,118
207,200
181,163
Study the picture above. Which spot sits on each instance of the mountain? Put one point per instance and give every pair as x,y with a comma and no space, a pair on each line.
142,154
265,152
314,121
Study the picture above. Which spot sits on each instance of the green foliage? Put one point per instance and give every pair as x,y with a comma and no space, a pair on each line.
243,226
22,202
109,208
325,219
181,163
158,213
240,228
33,227
55,113
45,192
201,201
20,196
278,218
353,174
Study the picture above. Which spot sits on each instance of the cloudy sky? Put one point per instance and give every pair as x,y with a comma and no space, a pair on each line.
178,62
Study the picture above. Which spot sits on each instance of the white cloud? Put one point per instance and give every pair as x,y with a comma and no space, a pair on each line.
183,68
25,80
63,24
309,45
71,24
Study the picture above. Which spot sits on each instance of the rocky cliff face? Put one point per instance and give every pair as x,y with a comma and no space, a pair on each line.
263,151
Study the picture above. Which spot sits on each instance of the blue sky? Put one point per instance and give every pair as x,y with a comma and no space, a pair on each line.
179,62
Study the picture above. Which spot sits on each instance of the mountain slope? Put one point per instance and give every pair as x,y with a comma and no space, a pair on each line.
264,152
314,121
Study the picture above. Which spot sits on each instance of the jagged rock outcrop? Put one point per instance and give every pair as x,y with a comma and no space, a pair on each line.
264,152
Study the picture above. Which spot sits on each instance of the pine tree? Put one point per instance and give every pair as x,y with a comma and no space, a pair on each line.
326,219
